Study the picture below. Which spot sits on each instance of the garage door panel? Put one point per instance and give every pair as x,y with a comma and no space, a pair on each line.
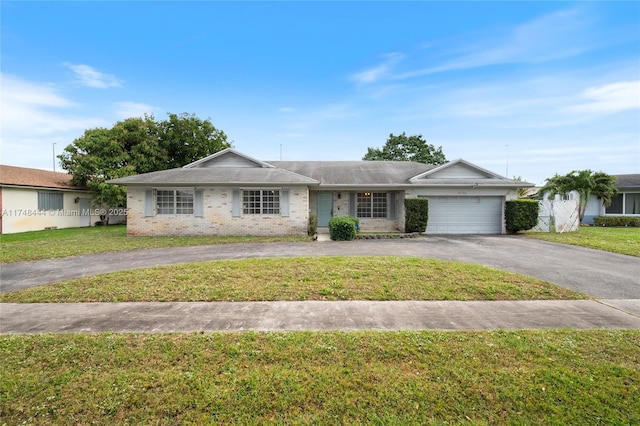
465,215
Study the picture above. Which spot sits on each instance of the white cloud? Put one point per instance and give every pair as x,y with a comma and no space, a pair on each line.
609,98
376,73
16,91
35,115
552,101
557,35
90,77
30,108
133,109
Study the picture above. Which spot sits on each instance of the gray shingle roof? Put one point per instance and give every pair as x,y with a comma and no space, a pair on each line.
235,169
628,181
356,172
219,176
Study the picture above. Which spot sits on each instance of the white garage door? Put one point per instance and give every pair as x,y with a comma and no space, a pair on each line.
465,215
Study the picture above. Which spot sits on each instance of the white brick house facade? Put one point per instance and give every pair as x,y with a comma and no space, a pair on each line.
217,216
229,193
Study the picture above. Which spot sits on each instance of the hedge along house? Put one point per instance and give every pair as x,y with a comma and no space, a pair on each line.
229,193
34,199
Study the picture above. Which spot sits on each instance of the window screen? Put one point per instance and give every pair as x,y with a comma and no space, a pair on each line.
50,200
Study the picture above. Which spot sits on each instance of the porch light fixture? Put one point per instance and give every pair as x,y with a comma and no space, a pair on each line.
76,200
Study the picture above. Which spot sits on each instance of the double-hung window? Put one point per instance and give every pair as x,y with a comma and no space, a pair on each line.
371,204
174,201
261,201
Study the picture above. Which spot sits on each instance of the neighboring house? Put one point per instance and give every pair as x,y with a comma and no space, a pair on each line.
32,200
230,193
625,203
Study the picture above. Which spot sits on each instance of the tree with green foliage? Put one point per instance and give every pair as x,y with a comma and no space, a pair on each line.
139,141
586,183
406,148
134,146
185,138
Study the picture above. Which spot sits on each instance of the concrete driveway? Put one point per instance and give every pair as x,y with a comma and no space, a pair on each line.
599,274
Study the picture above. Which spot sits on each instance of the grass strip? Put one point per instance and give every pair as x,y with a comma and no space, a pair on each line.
55,243
320,278
615,240
417,377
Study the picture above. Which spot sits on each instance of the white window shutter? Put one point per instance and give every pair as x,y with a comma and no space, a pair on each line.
198,203
284,202
235,203
149,201
391,206
352,204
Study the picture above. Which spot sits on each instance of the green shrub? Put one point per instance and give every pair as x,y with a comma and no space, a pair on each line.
521,215
343,228
313,224
416,214
616,221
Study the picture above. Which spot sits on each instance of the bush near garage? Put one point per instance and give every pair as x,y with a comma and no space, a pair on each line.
521,215
416,214
343,228
616,221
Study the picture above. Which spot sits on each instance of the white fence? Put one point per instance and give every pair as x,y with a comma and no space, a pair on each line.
560,216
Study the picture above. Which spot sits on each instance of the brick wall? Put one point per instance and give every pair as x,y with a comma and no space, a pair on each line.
217,217
341,208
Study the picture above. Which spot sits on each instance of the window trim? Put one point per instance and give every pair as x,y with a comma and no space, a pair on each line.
262,204
623,205
175,202
375,210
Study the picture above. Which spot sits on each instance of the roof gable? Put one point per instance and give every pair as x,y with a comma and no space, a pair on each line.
23,176
457,169
228,158
227,167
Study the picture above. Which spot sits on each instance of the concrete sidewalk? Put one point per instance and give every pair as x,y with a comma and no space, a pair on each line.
317,315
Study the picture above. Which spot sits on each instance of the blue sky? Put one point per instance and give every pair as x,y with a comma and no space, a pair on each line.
525,88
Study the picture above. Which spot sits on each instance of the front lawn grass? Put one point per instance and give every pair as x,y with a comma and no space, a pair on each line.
616,240
39,245
413,377
321,278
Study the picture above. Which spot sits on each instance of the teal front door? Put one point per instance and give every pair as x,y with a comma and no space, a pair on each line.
325,208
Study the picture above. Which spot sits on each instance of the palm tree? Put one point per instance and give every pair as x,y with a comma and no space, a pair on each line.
586,183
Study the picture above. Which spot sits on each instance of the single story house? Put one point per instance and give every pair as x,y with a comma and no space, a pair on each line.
625,203
230,193
33,200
